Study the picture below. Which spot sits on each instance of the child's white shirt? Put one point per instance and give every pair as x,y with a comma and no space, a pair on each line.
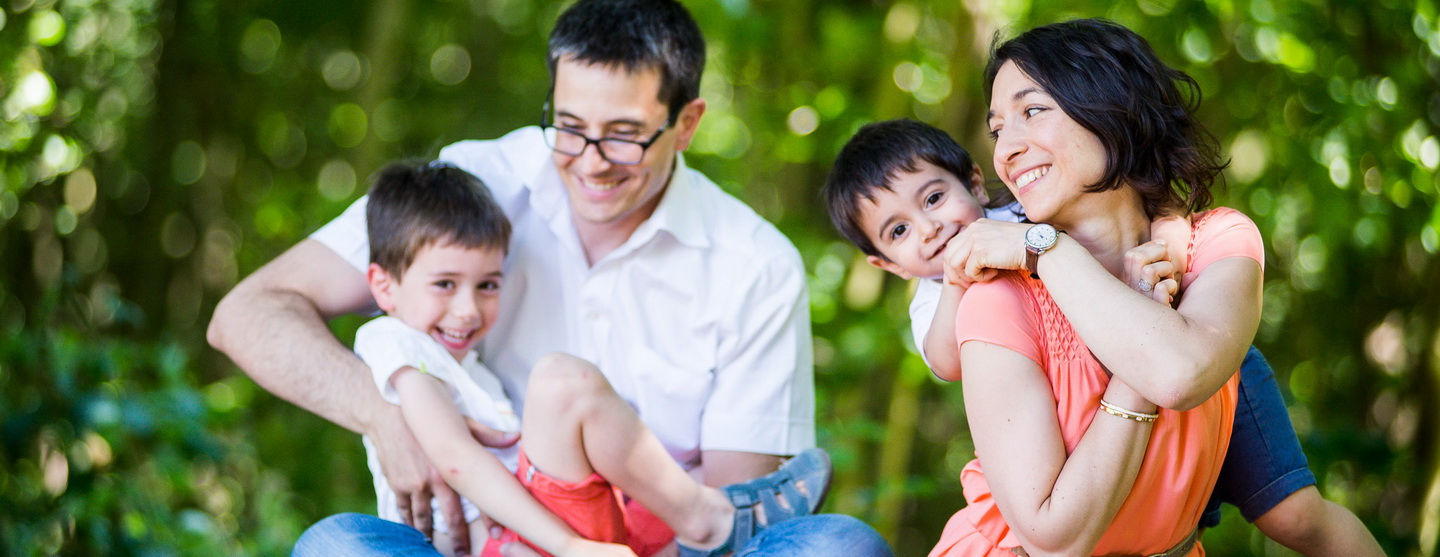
387,345
927,291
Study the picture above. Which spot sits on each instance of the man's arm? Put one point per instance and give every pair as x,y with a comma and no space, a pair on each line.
272,325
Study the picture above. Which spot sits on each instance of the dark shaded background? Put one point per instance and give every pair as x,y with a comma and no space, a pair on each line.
154,152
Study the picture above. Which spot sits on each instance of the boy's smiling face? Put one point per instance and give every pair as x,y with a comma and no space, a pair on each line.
911,223
449,292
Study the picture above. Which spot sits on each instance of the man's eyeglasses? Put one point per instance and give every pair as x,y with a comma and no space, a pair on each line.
613,149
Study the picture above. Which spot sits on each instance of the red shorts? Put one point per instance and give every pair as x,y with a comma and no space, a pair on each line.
595,509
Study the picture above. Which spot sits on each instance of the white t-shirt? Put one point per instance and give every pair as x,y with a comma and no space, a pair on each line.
927,291
387,345
700,320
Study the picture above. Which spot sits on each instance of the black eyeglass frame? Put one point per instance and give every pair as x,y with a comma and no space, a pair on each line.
644,145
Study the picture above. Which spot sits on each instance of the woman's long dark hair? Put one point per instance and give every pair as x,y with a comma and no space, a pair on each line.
1108,79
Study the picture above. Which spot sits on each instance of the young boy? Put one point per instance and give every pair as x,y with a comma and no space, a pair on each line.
438,245
900,190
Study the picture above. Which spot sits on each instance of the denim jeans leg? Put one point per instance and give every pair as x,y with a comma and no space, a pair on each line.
818,536
362,535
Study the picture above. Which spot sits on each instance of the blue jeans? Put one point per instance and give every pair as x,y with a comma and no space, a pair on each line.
362,535
1265,463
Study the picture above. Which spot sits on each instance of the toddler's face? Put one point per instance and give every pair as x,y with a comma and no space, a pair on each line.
911,223
449,292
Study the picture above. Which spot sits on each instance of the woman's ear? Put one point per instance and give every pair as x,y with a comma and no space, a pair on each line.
381,286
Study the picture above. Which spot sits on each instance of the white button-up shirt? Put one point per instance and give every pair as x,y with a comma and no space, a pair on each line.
699,320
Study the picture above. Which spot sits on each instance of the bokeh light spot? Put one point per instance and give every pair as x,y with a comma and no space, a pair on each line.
187,163
803,120
450,64
336,180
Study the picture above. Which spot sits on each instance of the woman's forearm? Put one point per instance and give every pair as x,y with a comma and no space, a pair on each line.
1057,503
1176,358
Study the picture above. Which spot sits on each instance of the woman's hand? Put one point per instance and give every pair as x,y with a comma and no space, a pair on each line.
984,248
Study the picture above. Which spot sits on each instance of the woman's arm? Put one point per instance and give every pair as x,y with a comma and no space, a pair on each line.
477,474
1177,357
1054,504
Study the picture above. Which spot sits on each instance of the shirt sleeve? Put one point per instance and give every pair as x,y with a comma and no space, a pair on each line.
922,313
388,345
1000,312
346,235
763,399
1222,233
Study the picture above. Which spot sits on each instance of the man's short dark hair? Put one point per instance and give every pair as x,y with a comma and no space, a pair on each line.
414,204
873,157
1108,79
634,35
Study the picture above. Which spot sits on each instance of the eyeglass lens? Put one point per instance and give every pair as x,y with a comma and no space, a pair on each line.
617,151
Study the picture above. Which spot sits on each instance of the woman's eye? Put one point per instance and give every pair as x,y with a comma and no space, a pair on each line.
445,284
899,230
1032,111
489,286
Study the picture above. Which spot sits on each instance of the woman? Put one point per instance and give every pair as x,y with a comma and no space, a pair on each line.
1094,137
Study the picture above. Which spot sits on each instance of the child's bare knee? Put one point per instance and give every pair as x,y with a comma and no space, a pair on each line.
1297,518
565,377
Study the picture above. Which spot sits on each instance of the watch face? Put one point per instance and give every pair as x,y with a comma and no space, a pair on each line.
1041,236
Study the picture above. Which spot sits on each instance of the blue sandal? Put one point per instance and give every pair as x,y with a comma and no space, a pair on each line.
811,466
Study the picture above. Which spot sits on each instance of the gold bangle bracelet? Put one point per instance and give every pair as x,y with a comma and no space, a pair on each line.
1117,411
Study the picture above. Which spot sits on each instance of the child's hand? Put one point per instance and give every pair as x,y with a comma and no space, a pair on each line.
983,249
1155,267
1149,271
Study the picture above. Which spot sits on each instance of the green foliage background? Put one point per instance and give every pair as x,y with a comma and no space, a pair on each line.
153,152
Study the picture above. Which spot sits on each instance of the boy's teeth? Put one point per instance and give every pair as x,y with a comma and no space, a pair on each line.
1031,176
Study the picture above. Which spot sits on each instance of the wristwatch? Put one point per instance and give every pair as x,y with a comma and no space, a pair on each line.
1038,238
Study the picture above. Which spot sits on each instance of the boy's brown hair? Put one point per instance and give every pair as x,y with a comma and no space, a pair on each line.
414,204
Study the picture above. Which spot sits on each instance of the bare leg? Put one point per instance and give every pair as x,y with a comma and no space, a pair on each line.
1307,523
575,424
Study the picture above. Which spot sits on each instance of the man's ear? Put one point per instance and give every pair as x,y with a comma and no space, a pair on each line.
977,185
381,285
887,265
687,122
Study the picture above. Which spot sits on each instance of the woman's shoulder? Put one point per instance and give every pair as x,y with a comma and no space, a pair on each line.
1220,218
1224,232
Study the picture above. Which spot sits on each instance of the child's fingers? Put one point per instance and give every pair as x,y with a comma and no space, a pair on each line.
1165,291
1157,271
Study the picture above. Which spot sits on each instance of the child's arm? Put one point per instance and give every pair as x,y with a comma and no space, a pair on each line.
939,345
467,466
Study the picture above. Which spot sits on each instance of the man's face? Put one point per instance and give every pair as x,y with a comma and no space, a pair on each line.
599,102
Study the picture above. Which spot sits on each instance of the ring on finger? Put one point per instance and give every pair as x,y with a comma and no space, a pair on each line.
1144,285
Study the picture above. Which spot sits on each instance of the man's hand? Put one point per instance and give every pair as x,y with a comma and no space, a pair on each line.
408,471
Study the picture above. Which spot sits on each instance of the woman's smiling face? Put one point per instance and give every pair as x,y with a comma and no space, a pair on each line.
1043,155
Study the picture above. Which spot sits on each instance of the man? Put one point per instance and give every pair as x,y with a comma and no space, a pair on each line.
692,306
